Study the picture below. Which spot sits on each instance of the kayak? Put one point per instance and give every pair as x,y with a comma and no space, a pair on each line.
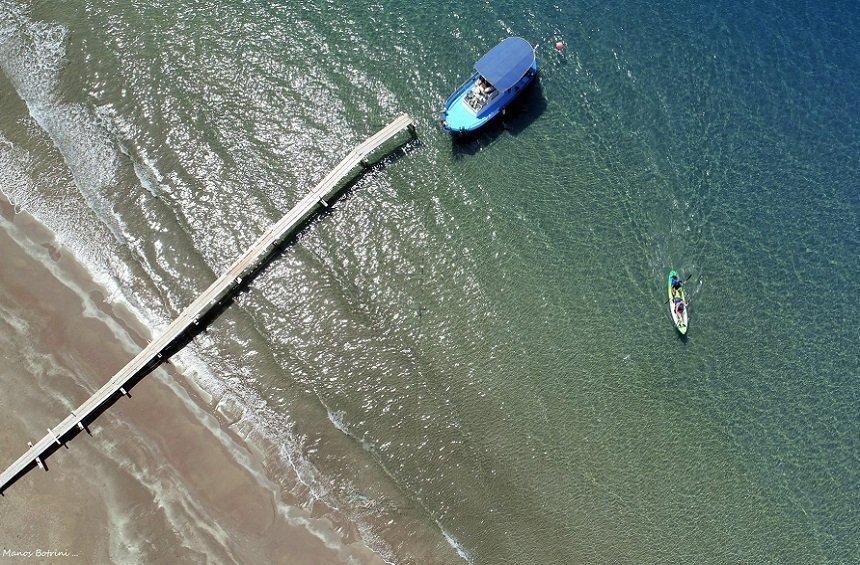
677,299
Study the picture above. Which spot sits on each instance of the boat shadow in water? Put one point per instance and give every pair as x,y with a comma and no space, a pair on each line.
527,107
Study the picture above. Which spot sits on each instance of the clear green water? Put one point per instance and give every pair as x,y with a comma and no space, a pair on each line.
474,341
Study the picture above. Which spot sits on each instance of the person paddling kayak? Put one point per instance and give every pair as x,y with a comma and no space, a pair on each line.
678,306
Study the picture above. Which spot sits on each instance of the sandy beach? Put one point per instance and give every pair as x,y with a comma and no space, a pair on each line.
160,479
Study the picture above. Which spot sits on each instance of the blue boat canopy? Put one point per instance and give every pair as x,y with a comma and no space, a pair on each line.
507,62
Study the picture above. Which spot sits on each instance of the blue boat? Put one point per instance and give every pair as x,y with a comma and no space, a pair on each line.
500,76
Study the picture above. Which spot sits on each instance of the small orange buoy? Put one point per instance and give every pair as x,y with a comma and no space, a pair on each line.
559,45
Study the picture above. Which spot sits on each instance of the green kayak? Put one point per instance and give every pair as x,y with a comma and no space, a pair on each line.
677,302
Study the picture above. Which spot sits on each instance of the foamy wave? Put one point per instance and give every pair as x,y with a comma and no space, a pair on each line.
15,183
461,551
32,59
336,418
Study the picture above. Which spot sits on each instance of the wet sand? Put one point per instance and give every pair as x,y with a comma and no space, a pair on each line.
161,479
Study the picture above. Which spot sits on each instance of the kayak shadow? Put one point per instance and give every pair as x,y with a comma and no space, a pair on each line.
519,115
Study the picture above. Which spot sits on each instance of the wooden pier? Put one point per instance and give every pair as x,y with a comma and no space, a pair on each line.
188,321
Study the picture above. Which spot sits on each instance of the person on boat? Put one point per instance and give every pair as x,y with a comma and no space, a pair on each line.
680,308
484,87
478,93
676,283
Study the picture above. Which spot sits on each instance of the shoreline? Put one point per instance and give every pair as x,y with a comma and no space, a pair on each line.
172,434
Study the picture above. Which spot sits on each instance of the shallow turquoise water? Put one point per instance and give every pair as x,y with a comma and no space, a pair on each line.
474,341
